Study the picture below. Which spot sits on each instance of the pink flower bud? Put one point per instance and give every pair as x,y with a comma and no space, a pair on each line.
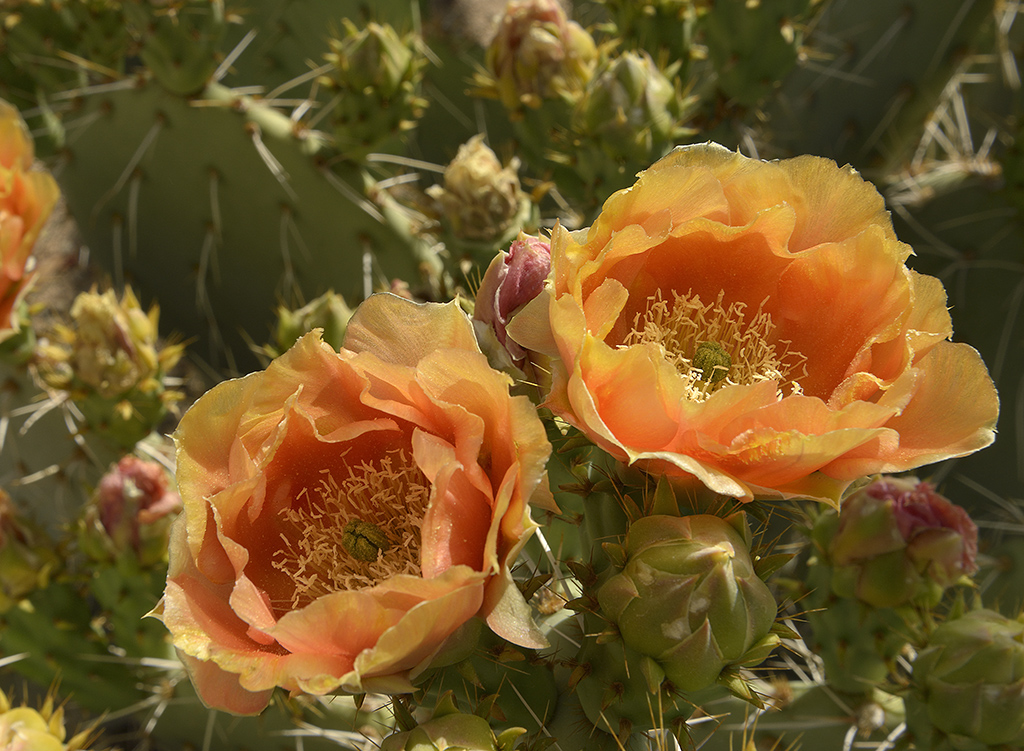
132,495
898,541
940,536
511,281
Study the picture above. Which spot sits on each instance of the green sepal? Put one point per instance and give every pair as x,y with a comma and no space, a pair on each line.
783,631
446,705
665,502
740,688
765,566
485,707
616,553
652,673
507,738
403,716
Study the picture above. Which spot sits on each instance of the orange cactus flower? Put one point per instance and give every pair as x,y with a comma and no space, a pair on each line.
26,199
345,513
754,325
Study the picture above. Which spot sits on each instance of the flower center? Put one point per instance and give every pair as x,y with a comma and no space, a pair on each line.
356,533
713,346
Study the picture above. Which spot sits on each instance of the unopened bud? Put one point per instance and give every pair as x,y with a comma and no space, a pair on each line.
512,280
897,541
480,197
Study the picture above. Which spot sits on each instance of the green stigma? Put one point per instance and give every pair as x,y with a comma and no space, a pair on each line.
712,361
364,541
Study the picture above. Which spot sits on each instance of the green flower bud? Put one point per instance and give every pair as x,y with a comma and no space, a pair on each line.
688,596
969,684
376,76
328,312
110,363
451,729
632,109
897,542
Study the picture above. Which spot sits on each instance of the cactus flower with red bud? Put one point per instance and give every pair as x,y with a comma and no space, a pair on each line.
897,542
687,596
968,685
537,54
512,280
754,325
347,512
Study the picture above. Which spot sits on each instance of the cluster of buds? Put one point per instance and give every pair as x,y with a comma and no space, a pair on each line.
480,198
131,510
897,542
537,54
632,109
109,362
26,199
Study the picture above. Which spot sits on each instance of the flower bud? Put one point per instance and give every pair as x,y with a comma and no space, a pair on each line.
897,542
537,54
109,361
329,312
480,197
969,683
133,506
450,729
25,728
454,731
376,74
632,109
512,280
688,596
24,563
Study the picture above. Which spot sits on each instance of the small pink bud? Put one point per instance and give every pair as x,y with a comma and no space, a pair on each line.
940,535
512,280
132,495
899,541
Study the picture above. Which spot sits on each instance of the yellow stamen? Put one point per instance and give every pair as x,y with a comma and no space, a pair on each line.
714,346
357,533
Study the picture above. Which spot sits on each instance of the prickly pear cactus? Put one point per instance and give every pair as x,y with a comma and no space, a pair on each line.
255,169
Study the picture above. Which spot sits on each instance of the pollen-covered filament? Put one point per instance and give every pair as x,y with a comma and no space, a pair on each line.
390,495
699,337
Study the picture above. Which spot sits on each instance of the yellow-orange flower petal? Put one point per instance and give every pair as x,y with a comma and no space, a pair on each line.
406,429
835,361
26,199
